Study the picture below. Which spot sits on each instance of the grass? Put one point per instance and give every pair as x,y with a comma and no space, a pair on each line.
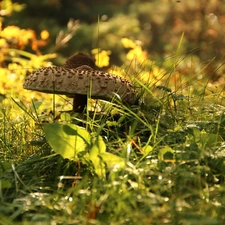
172,145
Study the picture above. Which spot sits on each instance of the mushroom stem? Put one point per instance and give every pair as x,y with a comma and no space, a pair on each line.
79,103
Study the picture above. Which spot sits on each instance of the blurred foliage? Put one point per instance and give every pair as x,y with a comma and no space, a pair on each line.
15,62
7,7
182,38
157,25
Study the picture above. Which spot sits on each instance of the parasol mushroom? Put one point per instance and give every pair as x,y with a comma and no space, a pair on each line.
78,79
79,59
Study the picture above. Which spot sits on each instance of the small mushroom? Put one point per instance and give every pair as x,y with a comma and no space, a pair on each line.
78,79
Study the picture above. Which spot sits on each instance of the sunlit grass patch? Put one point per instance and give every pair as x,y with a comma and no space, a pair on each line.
159,161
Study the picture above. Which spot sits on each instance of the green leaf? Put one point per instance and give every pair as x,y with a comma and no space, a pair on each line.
204,139
98,147
113,161
5,184
65,116
4,166
211,140
164,151
67,140
147,149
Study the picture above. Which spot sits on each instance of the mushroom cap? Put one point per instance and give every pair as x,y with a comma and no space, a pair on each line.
82,80
79,59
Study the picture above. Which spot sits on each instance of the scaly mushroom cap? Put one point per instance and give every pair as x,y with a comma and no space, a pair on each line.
82,80
79,59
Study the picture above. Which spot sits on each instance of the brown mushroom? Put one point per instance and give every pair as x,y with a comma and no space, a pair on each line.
78,79
79,59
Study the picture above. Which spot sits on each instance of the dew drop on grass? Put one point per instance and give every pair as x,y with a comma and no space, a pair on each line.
166,199
139,197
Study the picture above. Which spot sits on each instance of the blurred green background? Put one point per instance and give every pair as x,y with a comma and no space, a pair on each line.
157,25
